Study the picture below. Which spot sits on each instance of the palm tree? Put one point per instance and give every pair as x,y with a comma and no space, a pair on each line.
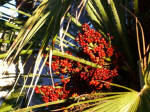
42,28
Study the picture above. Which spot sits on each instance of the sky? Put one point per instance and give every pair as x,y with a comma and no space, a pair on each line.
8,11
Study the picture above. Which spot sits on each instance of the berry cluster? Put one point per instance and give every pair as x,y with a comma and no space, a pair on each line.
95,45
50,93
82,78
62,65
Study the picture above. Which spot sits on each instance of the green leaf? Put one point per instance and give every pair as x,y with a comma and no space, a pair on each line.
65,55
108,16
120,103
144,100
74,20
136,6
40,105
9,103
147,73
4,23
93,13
21,12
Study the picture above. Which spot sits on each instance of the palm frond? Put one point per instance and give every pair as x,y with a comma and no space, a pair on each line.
107,17
120,103
40,105
10,102
131,101
136,6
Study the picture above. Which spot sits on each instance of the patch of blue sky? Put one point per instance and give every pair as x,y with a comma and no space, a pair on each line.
6,10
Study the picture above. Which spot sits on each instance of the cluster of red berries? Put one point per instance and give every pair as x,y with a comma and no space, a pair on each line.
82,78
95,45
50,93
62,65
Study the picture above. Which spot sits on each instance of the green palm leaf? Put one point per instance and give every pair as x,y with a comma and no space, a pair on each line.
120,102
109,17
